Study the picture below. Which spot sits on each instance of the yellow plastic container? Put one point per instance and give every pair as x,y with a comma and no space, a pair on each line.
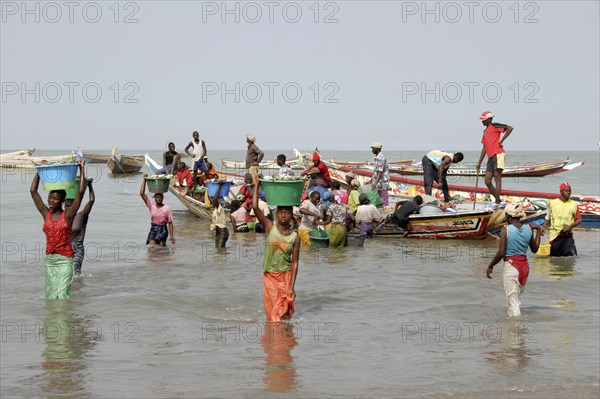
543,250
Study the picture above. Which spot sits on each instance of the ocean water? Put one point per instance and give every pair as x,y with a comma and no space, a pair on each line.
397,318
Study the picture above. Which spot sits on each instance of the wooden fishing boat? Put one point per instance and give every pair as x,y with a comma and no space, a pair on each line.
17,154
304,161
198,208
14,159
241,165
92,157
461,224
401,187
120,164
525,170
369,164
24,160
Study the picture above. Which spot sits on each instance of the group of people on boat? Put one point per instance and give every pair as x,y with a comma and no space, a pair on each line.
202,169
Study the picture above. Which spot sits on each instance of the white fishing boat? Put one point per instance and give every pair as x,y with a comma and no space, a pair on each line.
24,160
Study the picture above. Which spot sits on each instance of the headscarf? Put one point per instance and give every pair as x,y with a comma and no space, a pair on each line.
515,210
564,185
316,156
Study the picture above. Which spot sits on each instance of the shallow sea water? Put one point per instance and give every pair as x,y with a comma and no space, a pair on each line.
397,318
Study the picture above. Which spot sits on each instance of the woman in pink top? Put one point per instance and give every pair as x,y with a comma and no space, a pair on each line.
161,217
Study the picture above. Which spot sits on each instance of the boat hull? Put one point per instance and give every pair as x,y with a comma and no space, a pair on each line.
527,170
465,224
123,164
24,160
401,186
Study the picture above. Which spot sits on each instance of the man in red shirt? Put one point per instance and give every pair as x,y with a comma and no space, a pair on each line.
323,169
492,147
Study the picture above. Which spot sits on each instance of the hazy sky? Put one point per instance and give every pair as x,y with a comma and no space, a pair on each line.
336,75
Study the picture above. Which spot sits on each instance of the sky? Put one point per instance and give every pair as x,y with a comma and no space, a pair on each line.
337,75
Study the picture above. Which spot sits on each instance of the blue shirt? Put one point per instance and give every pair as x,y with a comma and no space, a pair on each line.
517,240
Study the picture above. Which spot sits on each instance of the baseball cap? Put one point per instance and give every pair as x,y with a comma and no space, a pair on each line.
486,115
376,145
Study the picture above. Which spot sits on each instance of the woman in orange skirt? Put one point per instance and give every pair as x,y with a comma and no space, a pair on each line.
280,263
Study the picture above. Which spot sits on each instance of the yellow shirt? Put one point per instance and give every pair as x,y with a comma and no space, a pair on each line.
353,201
561,213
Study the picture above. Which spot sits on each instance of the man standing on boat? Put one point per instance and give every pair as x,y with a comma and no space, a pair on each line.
381,174
253,157
563,215
493,148
435,168
198,153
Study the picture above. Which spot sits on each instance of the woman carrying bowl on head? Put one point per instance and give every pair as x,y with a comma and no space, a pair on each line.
57,228
161,218
280,262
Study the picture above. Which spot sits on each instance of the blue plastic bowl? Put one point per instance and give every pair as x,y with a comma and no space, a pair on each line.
61,176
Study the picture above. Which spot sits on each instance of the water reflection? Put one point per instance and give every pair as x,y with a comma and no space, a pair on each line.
278,340
510,353
67,339
159,255
555,268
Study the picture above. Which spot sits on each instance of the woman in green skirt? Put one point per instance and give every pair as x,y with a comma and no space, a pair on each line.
57,227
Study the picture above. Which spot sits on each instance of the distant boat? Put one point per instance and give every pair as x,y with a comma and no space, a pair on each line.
92,157
525,170
121,164
239,165
24,160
